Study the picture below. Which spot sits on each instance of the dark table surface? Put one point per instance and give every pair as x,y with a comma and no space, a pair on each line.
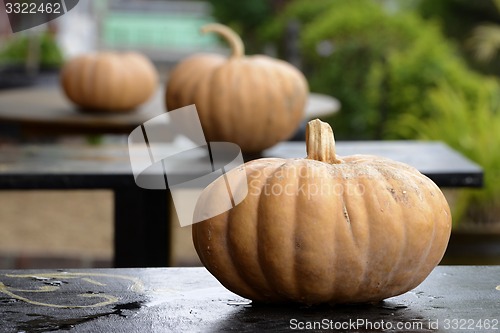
451,299
108,166
46,111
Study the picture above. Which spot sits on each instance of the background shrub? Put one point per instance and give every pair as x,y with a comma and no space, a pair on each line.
472,128
379,64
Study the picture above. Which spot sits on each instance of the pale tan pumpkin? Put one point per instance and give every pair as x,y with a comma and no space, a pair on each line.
109,81
324,229
253,101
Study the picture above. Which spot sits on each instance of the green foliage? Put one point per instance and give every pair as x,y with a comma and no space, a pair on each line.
473,128
303,11
250,13
244,17
380,65
458,18
357,34
15,51
415,73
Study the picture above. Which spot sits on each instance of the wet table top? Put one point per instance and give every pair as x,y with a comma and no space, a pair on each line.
108,166
451,299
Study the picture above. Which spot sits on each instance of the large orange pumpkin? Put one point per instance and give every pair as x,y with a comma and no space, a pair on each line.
324,229
109,81
253,101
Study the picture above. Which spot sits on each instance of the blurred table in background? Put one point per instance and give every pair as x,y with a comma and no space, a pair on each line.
45,111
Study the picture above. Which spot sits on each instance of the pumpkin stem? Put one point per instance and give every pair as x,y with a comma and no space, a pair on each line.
234,41
320,142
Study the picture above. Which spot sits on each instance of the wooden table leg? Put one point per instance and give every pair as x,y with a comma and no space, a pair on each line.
142,228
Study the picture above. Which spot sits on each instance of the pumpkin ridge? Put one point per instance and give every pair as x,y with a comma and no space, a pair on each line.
117,77
73,85
217,258
202,92
298,267
294,106
216,129
237,266
288,115
174,96
432,240
362,246
306,270
242,266
297,84
187,74
372,223
297,291
356,243
87,88
74,78
262,168
80,77
260,132
273,272
128,94
425,255
101,79
243,287
337,249
411,183
271,121
232,119
288,84
260,254
399,260
195,88
259,249
421,259
275,92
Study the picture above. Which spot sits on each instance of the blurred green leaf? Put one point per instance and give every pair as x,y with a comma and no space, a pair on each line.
473,128
245,17
15,51
380,64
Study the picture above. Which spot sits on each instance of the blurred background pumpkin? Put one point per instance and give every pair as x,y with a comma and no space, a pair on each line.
109,81
254,101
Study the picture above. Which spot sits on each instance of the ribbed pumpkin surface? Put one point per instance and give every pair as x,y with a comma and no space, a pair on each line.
109,81
360,230
255,101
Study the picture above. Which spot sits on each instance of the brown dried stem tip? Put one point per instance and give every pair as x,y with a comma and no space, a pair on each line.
234,41
320,142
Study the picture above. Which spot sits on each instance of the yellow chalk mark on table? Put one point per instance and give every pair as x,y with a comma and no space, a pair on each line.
97,283
42,289
137,286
